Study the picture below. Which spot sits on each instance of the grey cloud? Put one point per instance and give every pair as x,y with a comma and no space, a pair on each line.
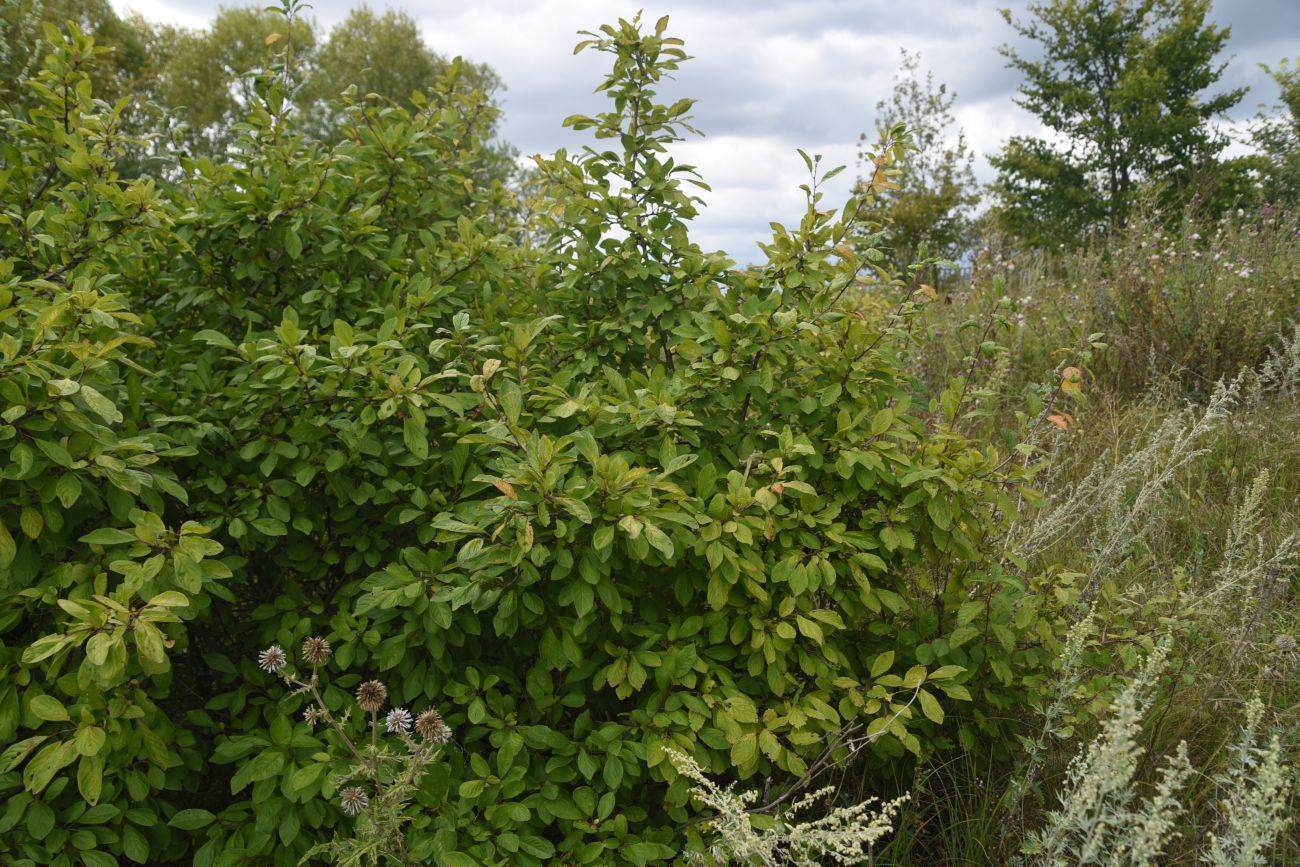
773,75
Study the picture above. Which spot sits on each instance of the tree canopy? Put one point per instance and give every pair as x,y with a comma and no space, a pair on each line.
1123,88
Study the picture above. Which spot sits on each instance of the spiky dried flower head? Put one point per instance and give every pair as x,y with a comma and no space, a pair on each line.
313,715
272,659
354,800
430,726
398,720
316,650
371,696
1285,643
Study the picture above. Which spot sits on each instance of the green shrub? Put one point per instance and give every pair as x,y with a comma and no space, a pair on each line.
597,497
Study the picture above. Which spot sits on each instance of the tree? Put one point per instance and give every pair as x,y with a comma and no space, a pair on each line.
1277,138
381,54
206,77
932,204
1120,85
123,42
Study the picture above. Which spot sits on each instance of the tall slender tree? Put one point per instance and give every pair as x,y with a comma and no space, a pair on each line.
931,206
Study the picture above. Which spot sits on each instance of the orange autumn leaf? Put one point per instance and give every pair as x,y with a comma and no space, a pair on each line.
506,488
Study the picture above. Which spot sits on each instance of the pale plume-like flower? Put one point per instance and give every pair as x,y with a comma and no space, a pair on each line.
845,835
398,720
272,659
353,800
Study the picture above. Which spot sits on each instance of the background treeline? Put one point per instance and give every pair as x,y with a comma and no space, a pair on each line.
987,496
188,88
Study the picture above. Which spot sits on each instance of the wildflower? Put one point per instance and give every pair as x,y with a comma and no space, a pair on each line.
371,695
316,650
431,727
353,800
398,720
313,715
272,659
1285,643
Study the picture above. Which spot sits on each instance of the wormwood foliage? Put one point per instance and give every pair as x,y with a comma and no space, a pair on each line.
596,497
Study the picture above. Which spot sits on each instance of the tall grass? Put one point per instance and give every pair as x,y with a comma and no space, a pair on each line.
1171,486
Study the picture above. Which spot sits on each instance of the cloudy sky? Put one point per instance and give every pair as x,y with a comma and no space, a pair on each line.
770,76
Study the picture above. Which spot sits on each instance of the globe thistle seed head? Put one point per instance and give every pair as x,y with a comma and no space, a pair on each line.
371,696
354,800
313,715
430,726
316,650
272,659
398,720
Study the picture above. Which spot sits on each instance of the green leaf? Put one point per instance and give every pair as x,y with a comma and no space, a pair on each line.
645,853
169,599
90,778
744,750
305,777
930,707
14,754
415,437
107,536
49,708
882,663
40,820
46,763
192,819
939,513
8,548
90,740
292,243
659,539
809,628
134,845
214,338
266,765
100,405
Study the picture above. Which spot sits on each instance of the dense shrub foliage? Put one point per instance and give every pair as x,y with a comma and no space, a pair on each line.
588,489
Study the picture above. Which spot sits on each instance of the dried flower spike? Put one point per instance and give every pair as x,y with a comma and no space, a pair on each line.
371,695
272,659
354,800
398,720
430,726
316,650
313,715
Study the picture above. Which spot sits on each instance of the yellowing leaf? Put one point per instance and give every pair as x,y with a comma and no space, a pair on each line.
1072,380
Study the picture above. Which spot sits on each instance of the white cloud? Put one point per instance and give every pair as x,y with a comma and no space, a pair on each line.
770,76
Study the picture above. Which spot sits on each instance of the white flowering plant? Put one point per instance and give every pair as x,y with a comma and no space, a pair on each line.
382,769
844,835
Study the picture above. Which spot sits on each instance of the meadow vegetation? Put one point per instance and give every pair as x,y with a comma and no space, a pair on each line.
369,501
